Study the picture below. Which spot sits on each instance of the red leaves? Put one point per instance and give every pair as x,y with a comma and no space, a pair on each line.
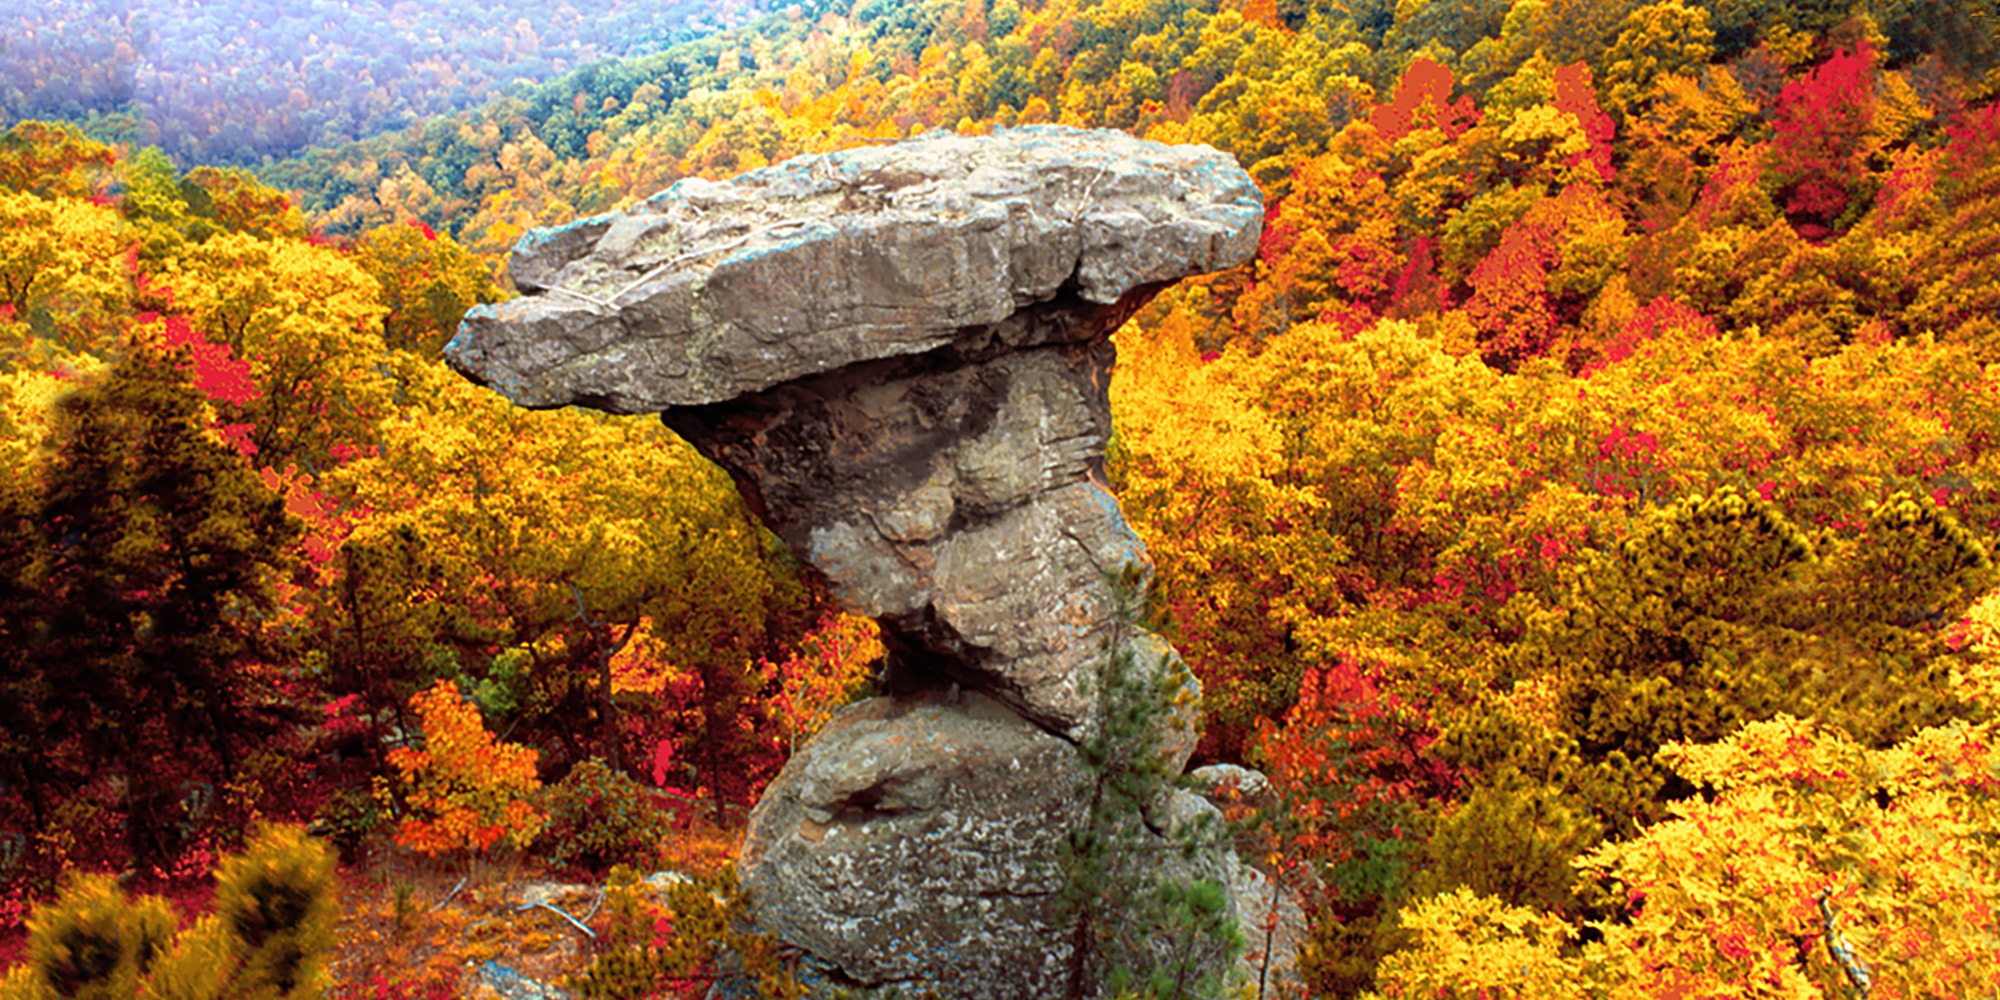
1626,444
1417,283
1511,302
1575,95
663,929
1819,130
1349,760
1551,550
231,382
1631,465
218,373
1279,236
1975,138
663,756
1662,316
326,528
346,716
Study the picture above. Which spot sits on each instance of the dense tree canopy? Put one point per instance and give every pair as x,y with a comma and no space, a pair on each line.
1582,508
235,81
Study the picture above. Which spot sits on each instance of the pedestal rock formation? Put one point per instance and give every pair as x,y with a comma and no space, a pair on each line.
901,354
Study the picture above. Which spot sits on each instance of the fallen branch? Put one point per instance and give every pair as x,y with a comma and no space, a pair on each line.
560,912
449,896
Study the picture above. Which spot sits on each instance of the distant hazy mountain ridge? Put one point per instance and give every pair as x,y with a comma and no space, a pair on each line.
238,80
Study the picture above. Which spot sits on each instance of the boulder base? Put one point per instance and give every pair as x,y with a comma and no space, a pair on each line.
917,842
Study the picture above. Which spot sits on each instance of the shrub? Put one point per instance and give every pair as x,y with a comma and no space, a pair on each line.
269,938
276,900
349,817
467,791
684,946
599,816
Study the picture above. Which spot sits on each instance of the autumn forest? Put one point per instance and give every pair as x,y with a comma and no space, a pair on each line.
1582,511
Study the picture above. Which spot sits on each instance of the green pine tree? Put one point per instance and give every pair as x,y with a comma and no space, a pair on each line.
269,939
1146,917
158,549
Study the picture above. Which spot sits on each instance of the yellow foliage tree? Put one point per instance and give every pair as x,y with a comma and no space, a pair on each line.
428,281
64,274
1655,40
832,665
1813,866
308,320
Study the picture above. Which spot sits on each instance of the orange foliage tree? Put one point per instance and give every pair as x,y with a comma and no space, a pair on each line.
832,665
466,791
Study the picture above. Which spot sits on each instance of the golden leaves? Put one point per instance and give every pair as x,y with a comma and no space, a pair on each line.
62,257
1723,896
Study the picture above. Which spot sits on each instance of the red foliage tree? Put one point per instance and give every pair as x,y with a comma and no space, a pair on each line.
1352,762
1819,145
1575,95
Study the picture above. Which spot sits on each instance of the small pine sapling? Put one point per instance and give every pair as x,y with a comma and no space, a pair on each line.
692,943
93,943
276,900
1146,921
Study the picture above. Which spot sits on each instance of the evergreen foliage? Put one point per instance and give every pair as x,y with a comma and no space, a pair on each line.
275,902
1714,613
1149,915
690,943
155,552
270,937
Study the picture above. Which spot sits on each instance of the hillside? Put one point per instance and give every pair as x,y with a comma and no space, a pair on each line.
239,81
1582,509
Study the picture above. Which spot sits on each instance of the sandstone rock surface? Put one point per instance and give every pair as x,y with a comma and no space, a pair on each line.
708,291
901,354
917,842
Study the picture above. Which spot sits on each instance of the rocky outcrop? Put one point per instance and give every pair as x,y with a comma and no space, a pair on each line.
926,836
708,291
901,354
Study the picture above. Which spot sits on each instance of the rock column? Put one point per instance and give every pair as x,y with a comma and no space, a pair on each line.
901,354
